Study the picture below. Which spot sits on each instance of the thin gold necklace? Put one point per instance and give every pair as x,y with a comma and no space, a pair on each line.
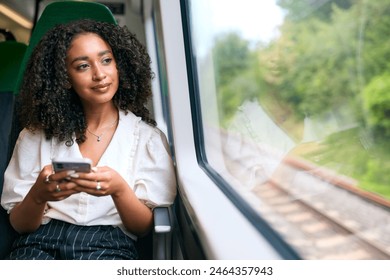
99,137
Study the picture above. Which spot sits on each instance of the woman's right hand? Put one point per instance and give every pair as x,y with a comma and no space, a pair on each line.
51,186
27,215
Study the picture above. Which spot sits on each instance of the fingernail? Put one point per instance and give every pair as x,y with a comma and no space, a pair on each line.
94,169
75,175
70,172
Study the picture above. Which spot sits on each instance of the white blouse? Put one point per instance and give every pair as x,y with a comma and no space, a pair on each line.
138,152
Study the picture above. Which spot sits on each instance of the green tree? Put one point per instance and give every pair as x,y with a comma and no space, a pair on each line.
302,9
375,35
231,56
376,98
236,73
316,60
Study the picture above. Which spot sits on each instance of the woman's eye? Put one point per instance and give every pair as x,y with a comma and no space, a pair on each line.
82,66
107,60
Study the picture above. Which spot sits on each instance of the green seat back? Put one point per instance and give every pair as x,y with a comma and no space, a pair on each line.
63,12
11,56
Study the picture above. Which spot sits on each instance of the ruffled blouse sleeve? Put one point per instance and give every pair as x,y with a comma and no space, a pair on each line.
155,181
30,154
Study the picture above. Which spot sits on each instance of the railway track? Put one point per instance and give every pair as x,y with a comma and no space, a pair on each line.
324,221
322,214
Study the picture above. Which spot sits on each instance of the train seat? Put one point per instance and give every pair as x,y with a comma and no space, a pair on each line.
11,55
156,245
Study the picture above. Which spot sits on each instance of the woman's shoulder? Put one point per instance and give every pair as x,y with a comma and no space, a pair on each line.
152,134
145,129
31,136
29,141
148,136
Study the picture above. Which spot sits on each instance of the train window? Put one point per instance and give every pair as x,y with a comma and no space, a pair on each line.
294,106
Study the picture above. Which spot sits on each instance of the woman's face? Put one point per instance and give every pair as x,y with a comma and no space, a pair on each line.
92,69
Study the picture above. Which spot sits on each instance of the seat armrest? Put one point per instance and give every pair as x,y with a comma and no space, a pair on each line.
162,221
162,233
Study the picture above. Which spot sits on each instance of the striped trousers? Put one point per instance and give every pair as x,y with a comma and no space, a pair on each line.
59,240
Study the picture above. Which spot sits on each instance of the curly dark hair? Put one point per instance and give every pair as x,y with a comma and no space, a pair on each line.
47,103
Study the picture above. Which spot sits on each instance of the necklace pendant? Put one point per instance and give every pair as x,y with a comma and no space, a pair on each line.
98,139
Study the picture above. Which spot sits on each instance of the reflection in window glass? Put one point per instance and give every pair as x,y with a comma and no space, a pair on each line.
295,99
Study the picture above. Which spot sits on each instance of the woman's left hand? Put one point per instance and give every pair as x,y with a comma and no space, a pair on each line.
101,181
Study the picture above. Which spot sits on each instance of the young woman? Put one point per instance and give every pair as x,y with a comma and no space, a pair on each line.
84,95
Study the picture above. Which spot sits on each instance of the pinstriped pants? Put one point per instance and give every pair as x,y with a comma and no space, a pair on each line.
61,240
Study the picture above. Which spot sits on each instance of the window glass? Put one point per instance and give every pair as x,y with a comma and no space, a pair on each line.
295,107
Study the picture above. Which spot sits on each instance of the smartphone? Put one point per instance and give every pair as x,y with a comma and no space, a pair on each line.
76,164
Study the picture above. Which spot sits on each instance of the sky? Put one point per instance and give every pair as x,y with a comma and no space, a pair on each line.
254,20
